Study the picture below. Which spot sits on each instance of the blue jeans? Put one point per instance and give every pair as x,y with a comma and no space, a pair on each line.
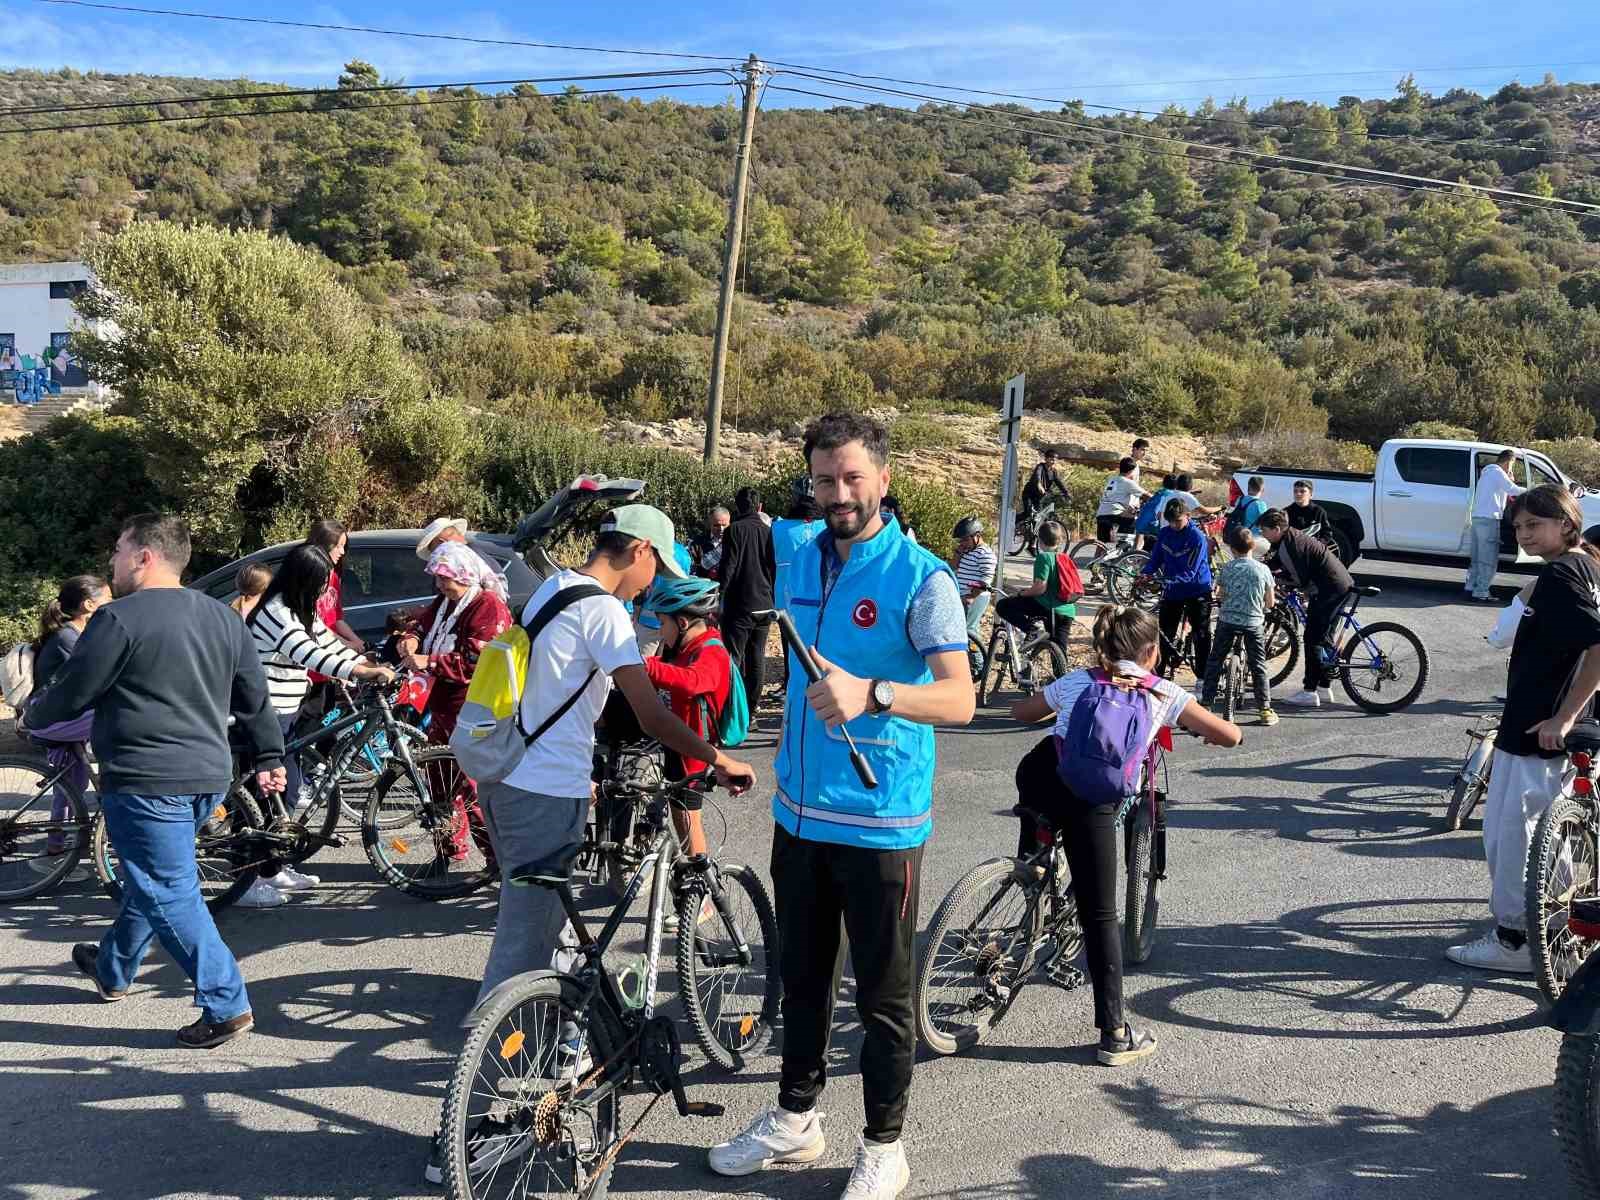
976,607
1485,555
154,837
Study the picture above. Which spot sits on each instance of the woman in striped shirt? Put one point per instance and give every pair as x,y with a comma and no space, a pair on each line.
292,640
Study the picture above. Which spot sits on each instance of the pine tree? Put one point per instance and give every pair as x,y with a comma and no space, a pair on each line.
1168,181
1317,135
840,271
1353,125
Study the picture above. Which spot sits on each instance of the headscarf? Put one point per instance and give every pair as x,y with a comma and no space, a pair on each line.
460,564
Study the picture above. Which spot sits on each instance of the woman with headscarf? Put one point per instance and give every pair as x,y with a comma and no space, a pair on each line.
469,612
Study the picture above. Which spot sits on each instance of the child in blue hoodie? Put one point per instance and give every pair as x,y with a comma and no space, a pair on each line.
1183,561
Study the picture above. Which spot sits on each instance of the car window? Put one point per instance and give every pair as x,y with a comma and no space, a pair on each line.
1437,465
1518,471
1539,474
383,575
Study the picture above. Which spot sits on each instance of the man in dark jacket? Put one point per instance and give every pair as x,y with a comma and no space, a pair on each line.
163,668
748,569
1311,567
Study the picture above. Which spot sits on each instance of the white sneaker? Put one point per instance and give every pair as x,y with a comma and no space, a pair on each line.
261,894
1303,700
1489,953
880,1172
1325,695
775,1136
289,880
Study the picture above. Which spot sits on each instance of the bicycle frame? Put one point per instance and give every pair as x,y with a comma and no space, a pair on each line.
344,753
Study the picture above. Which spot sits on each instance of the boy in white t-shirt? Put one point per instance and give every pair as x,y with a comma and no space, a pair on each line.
1126,640
1119,503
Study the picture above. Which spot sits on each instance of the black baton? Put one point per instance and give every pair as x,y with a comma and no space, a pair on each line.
791,639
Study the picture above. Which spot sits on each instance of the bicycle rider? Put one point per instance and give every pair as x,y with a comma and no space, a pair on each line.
1039,601
1043,483
1182,559
1126,642
1308,564
1148,523
975,567
1119,502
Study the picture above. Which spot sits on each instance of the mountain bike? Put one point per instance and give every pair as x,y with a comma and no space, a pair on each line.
1382,667
44,825
1561,868
1025,537
1108,568
1032,660
535,1100
1008,916
1472,781
1235,674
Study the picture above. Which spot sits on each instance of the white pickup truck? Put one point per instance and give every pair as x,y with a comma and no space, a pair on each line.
1418,503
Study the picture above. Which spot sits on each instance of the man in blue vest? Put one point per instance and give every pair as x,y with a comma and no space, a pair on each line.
885,621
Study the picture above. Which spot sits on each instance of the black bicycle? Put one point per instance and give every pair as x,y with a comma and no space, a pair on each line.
534,1104
44,825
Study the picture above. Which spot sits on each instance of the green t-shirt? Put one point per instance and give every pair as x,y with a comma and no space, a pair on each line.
1044,567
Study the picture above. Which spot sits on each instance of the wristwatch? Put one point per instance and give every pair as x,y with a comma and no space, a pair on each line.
881,698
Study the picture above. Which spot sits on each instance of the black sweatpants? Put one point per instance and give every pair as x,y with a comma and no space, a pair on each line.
1171,614
814,885
746,640
1089,836
1320,610
1025,613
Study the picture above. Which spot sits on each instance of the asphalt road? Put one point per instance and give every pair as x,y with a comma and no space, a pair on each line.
1314,1042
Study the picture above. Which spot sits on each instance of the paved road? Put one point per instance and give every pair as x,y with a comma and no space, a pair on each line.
1314,1043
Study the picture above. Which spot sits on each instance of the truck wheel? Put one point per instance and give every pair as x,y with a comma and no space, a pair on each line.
1344,545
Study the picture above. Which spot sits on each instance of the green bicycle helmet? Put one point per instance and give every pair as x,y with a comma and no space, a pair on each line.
694,597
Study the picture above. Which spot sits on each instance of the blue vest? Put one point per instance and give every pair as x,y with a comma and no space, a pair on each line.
861,626
788,535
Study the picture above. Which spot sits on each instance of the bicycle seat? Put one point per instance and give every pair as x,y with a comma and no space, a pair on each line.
1368,590
1585,737
553,870
1022,810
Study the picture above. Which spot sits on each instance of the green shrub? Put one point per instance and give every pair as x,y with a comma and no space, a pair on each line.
1439,429
1578,457
910,434
932,510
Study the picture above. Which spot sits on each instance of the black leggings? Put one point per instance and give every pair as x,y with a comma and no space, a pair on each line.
1089,836
1024,613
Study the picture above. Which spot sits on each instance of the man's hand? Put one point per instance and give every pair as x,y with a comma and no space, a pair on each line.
415,662
1553,732
838,697
275,780
738,777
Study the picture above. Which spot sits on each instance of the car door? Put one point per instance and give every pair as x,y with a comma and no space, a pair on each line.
1426,500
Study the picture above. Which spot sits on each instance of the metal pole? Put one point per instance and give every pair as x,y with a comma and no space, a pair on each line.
730,259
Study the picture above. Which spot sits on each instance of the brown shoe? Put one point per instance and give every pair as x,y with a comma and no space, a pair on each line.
87,959
203,1035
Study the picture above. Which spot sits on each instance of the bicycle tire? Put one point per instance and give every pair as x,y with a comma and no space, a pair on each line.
15,770
1046,663
994,666
1471,784
426,875
727,1041
225,864
1085,553
1577,1112
1280,639
976,660
1231,683
1550,886
997,963
1348,671
1142,905
491,1064
1122,578
360,776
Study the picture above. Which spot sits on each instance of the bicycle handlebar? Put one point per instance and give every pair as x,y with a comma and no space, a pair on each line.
791,639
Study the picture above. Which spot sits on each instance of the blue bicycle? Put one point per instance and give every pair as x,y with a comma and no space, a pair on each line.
1382,667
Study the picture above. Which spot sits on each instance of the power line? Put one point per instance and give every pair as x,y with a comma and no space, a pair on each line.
408,33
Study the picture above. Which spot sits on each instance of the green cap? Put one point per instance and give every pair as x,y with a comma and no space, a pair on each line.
648,524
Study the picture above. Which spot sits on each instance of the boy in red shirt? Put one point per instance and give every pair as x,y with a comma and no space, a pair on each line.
695,677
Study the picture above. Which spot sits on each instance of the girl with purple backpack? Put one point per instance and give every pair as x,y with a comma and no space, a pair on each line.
1106,720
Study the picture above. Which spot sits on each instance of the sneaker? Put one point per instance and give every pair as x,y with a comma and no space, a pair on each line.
1489,953
261,894
87,959
1268,717
880,1172
289,880
708,909
1325,695
1118,1050
205,1035
1305,699
776,1136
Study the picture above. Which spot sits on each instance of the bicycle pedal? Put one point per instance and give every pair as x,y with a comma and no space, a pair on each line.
1064,975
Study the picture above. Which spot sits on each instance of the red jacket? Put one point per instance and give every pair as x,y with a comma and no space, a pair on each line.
695,671
485,619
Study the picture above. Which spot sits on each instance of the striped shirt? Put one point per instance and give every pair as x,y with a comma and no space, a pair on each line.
288,651
975,569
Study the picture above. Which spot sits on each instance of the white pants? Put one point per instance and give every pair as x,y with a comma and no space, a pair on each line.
1485,555
1520,789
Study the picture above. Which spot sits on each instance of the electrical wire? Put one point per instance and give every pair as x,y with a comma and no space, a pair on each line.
407,33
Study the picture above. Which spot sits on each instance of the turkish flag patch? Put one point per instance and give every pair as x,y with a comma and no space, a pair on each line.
865,614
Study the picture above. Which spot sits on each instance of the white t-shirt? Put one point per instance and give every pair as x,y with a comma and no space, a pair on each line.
1167,698
1120,497
592,633
1494,489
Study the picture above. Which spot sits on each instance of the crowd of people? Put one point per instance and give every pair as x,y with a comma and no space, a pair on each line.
673,631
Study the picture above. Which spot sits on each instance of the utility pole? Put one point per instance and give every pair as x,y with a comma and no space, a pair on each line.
730,258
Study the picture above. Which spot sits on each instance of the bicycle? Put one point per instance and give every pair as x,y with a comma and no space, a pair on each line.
1472,781
1033,662
39,803
987,934
1563,856
1025,537
1106,567
1382,667
1235,673
551,1056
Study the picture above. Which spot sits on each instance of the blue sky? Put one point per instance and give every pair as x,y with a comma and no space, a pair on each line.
1140,56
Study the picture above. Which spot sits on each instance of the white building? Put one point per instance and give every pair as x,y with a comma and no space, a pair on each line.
37,317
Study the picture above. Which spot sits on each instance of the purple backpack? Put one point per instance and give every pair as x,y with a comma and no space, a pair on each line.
1108,733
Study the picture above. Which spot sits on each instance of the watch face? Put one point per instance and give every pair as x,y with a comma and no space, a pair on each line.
883,694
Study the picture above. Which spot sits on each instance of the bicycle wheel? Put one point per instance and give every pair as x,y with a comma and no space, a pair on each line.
1281,644
1046,663
42,829
975,659
1085,553
731,1006
427,853
365,768
980,948
1122,576
224,853
1577,1112
526,1113
1471,783
1232,684
1383,667
1561,869
1142,906
994,663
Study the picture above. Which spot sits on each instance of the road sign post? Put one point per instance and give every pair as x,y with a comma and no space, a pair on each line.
1010,434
